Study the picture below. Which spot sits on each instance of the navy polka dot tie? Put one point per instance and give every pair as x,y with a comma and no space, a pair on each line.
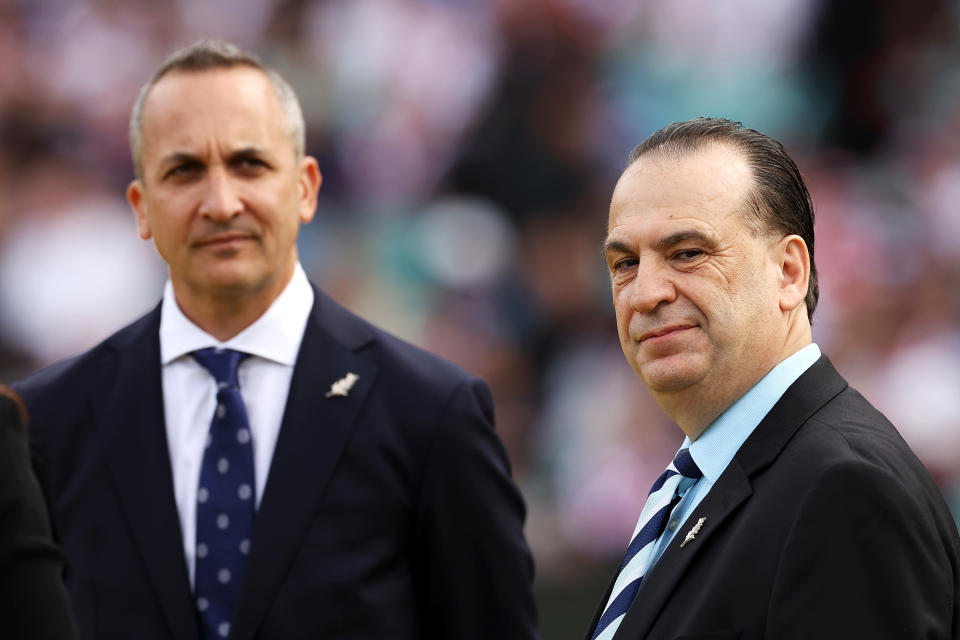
225,497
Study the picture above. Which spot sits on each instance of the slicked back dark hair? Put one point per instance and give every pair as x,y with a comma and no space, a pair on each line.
779,202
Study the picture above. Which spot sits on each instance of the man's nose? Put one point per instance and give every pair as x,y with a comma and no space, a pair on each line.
221,202
651,287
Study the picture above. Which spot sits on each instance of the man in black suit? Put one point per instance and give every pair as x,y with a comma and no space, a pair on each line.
793,508
33,601
249,459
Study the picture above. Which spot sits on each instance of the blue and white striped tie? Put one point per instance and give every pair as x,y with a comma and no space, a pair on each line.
663,497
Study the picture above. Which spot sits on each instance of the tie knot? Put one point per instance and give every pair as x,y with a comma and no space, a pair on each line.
685,465
221,363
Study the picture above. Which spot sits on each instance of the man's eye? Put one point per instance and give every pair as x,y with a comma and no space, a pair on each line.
623,264
184,169
250,163
686,255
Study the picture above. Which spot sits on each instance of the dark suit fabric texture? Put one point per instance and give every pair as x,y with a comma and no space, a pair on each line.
34,604
824,525
387,513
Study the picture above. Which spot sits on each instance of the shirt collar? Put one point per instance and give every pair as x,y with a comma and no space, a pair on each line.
715,448
275,335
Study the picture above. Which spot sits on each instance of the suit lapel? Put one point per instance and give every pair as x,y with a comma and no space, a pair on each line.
135,451
314,432
811,391
731,489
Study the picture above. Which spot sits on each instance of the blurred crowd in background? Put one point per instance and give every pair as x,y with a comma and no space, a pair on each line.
469,149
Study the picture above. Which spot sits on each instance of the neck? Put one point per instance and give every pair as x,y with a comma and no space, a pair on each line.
225,314
695,408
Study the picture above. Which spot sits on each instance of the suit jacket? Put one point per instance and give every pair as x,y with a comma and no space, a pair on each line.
388,513
824,525
33,600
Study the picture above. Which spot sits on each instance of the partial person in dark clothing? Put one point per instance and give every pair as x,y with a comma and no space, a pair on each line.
33,601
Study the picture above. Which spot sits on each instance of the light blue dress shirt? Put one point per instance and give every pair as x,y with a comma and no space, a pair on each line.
715,448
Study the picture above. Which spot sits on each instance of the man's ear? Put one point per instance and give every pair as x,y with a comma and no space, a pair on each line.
310,181
794,263
135,198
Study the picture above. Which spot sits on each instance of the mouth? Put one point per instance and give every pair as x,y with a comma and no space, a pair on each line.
664,333
226,240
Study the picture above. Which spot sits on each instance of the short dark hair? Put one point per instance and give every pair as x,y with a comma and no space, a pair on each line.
779,201
207,55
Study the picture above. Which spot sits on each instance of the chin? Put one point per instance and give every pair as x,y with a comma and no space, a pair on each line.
670,375
229,283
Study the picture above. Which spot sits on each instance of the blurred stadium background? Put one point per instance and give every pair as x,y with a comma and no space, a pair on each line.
469,150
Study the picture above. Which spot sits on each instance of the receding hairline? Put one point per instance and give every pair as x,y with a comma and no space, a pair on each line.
238,65
172,74
217,55
673,150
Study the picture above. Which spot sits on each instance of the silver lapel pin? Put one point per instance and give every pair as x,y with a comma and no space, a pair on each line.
342,386
693,532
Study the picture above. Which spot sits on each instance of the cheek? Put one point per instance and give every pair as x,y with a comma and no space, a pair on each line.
621,310
171,234
280,213
745,316
723,294
285,231
170,215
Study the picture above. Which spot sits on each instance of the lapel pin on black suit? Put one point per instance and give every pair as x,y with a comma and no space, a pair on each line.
342,386
693,532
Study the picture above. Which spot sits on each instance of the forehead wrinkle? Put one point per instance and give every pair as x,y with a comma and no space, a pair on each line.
241,152
717,212
685,235
664,242
663,199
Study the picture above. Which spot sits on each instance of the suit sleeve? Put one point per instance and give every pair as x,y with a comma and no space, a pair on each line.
865,559
33,600
476,569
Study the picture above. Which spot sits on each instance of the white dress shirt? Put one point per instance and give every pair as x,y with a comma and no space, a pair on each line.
190,392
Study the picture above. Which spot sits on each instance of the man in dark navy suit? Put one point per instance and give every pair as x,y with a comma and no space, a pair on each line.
793,509
249,459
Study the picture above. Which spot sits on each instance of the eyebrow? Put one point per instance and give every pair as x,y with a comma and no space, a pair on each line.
247,152
178,157
660,244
